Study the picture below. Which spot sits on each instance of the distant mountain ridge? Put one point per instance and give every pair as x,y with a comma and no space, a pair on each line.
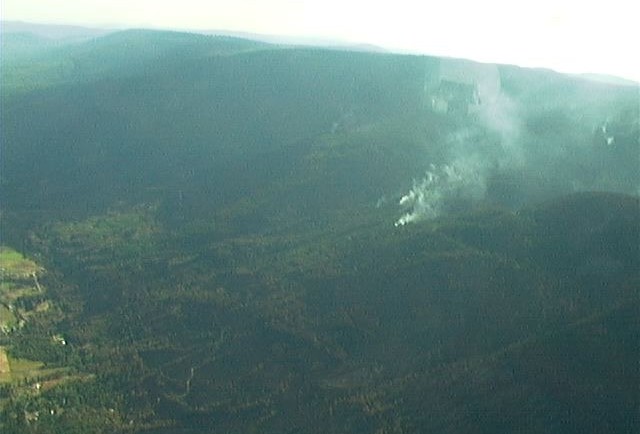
610,79
78,33
53,31
70,33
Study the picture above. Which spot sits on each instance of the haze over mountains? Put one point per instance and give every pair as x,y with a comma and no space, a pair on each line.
247,237
67,34
70,33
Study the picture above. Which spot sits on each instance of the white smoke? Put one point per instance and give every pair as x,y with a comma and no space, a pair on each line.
490,142
501,116
460,181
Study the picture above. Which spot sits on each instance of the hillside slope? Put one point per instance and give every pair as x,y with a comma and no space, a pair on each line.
242,237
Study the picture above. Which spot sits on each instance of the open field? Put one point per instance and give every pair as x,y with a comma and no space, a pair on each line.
12,370
15,265
5,369
7,318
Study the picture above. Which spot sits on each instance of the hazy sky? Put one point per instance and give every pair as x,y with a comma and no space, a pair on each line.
567,35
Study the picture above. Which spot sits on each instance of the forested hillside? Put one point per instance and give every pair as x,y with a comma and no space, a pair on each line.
242,237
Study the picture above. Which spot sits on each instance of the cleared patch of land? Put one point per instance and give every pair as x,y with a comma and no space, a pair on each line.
10,290
14,264
5,368
15,370
7,319
6,316
18,280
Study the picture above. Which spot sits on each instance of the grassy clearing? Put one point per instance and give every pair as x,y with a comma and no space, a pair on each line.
12,370
5,369
18,369
54,382
18,278
6,286
14,264
10,291
7,318
23,372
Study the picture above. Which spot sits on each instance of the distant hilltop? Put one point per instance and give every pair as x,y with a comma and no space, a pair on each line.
609,79
53,31
71,32
60,33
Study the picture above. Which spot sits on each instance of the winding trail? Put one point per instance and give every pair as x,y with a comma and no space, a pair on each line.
36,282
188,385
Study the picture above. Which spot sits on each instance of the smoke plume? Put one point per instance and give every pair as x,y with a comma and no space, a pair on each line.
485,146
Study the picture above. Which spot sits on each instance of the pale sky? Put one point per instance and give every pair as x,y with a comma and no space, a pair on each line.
566,35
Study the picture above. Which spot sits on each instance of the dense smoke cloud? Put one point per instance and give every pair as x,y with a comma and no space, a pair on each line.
524,146
488,143
441,186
